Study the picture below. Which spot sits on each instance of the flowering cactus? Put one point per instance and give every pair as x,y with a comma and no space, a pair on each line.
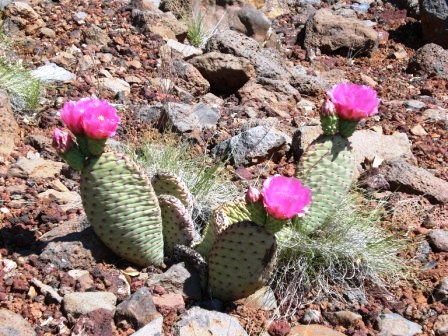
253,195
62,141
346,104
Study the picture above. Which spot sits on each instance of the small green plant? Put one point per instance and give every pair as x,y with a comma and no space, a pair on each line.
196,28
348,250
18,81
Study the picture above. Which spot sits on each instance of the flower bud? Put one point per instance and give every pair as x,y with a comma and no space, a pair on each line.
253,195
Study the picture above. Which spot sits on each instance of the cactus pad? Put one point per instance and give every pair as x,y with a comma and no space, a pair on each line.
226,215
171,184
122,208
240,261
178,227
327,167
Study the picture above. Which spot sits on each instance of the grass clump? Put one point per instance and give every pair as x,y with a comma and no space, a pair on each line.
203,177
345,253
18,82
196,29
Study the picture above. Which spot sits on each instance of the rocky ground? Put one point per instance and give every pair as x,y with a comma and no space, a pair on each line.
255,89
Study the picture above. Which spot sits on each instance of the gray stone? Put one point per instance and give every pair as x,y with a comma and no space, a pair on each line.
368,144
438,239
225,73
158,22
190,78
268,63
329,33
4,3
83,303
52,73
198,321
311,316
394,324
80,17
12,324
249,21
253,144
73,244
138,309
436,115
441,325
431,59
154,328
185,50
208,116
303,137
414,104
96,36
309,85
150,113
179,279
263,299
356,295
181,117
415,180
434,18
114,85
441,291
35,167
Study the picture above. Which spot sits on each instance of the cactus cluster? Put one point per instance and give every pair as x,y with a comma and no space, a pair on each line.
143,220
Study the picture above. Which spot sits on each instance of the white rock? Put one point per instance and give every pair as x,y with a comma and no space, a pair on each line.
52,73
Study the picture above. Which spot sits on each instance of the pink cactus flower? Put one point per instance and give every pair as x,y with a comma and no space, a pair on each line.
327,108
285,197
253,195
72,112
62,141
100,119
353,102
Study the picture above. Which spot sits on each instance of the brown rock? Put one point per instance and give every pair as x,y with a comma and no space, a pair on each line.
190,78
24,16
169,302
441,325
97,322
439,240
225,73
8,125
330,33
313,330
415,180
431,59
14,324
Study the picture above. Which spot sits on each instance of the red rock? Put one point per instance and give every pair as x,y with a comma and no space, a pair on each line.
169,302
313,330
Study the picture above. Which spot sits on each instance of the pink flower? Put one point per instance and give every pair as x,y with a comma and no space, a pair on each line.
62,141
253,195
285,197
100,120
353,102
71,114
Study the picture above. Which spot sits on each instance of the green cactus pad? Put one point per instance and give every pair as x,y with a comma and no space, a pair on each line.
327,167
178,227
240,261
122,208
226,215
171,184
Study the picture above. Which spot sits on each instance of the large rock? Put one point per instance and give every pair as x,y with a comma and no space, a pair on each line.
267,62
198,321
271,95
431,59
329,33
35,167
225,73
154,328
67,200
8,125
250,21
51,73
190,78
439,240
254,144
179,279
441,291
158,22
187,118
139,309
12,324
114,85
368,144
434,17
313,330
441,325
415,180
83,303
97,322
394,324
24,16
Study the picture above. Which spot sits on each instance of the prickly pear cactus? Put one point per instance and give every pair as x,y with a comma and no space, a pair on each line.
178,227
240,261
226,215
171,184
327,167
122,207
